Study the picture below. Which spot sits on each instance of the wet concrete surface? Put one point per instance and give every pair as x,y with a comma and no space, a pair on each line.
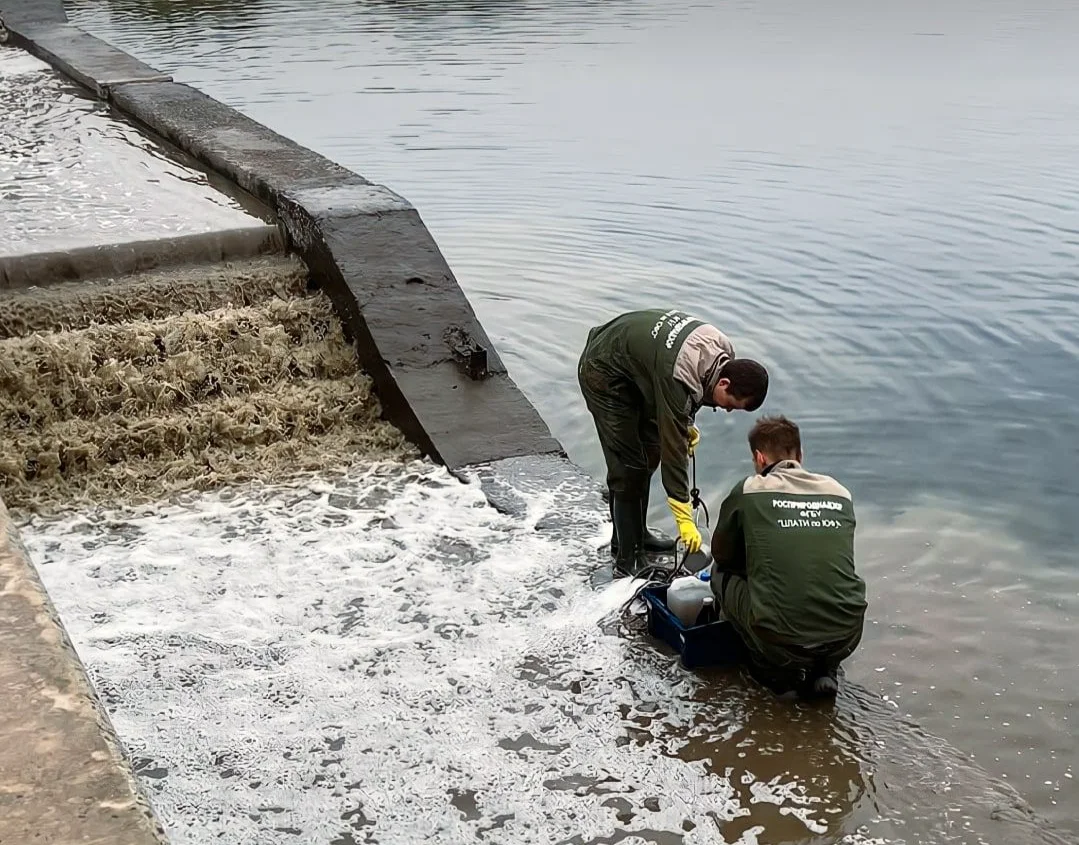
41,269
63,776
74,176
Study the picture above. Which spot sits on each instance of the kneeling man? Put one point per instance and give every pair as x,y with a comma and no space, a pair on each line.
783,570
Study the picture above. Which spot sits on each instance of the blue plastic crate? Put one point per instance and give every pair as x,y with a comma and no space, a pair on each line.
714,644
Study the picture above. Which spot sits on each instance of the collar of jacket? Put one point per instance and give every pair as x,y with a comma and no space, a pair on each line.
712,378
786,463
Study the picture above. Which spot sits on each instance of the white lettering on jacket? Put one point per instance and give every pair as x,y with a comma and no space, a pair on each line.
822,505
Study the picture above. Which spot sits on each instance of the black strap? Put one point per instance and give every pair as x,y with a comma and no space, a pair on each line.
695,494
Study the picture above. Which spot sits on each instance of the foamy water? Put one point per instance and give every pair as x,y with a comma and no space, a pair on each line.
387,657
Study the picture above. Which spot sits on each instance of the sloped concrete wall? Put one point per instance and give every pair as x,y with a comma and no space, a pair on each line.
63,774
439,377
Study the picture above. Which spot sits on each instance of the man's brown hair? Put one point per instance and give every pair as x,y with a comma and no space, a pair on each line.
776,437
749,380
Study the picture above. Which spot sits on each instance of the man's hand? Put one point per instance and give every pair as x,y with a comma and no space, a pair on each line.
694,438
687,530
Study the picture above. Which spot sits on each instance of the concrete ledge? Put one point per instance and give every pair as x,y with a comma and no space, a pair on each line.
438,376
45,268
256,158
63,776
90,62
437,373
390,283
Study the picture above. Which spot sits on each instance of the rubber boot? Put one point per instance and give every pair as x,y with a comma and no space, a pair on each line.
628,529
652,543
826,685
823,682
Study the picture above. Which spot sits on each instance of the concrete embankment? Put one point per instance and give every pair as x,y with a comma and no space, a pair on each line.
64,777
439,377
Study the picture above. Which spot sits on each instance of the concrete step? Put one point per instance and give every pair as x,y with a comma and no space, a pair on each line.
125,258
64,775
143,366
150,295
301,425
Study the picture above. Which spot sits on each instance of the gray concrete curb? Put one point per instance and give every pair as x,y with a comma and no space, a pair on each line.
123,259
64,776
437,373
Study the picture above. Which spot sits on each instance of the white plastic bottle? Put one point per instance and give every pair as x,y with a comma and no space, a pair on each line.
685,596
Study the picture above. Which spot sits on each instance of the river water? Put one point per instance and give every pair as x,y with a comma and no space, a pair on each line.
881,204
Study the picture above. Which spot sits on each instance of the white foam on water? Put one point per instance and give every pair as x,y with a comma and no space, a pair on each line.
353,656
386,657
15,63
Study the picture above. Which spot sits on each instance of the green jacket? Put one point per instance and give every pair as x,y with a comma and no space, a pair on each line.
791,532
674,360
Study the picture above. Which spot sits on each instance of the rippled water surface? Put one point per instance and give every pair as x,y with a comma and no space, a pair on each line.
880,203
73,176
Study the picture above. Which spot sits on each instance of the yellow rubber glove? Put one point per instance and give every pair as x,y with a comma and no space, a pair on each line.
694,438
687,530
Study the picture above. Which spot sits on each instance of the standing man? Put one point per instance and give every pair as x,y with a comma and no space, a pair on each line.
783,568
644,376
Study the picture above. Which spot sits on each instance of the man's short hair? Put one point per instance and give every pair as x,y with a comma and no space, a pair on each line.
749,380
777,437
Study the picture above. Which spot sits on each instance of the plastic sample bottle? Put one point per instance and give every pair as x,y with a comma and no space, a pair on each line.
686,595
708,611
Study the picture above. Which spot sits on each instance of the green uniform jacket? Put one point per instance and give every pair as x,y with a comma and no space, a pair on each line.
674,360
791,532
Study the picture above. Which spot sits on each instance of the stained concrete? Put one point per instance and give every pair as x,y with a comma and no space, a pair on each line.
36,269
437,373
63,776
382,268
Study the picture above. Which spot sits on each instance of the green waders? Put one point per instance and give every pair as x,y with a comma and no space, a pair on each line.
781,667
629,438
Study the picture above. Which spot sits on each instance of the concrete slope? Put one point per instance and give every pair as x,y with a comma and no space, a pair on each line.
64,777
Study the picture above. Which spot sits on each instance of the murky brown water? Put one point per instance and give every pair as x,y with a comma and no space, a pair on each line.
135,389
